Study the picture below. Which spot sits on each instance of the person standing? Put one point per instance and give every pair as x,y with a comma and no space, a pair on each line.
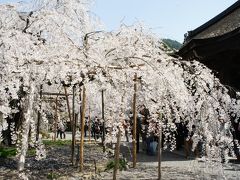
61,130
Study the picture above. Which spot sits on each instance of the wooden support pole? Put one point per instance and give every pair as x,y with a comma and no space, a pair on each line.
116,159
71,122
103,135
56,119
89,125
82,128
80,98
159,155
68,105
134,122
39,114
73,125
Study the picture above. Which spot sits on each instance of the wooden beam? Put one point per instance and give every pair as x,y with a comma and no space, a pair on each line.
54,100
55,94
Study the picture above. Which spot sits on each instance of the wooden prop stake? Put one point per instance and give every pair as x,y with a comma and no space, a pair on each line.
73,125
89,125
69,115
103,133
82,128
159,155
39,115
68,105
56,119
80,98
134,122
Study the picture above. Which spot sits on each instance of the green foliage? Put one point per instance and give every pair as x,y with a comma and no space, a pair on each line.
122,164
57,142
31,152
174,45
8,152
52,175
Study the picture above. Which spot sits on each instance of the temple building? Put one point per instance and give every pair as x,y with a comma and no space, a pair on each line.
217,45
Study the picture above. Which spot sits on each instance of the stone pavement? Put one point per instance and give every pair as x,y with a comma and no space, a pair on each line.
176,166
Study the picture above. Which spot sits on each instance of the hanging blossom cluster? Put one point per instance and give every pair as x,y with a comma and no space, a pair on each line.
56,44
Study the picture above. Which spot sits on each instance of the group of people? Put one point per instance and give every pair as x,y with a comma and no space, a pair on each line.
183,135
95,126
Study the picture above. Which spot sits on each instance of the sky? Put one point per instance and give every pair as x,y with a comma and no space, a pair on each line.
165,18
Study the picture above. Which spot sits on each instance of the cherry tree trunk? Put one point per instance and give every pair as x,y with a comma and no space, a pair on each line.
116,159
26,127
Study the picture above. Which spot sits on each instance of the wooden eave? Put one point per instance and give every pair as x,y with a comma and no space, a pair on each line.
214,20
201,49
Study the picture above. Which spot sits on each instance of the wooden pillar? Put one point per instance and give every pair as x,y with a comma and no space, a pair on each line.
159,154
134,122
70,117
116,159
68,105
56,119
103,135
89,125
73,125
39,115
82,128
80,99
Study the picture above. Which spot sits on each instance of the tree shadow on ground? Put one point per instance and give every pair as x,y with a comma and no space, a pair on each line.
144,157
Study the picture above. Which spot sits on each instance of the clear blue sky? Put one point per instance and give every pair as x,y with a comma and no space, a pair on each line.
166,18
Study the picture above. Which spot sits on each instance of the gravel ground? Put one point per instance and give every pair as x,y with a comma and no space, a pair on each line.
174,166
56,165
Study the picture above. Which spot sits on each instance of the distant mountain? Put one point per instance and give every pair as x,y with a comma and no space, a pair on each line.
173,44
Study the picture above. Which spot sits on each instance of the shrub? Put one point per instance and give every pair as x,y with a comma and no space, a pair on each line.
7,152
122,164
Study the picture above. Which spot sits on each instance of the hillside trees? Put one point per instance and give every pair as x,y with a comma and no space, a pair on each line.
173,44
